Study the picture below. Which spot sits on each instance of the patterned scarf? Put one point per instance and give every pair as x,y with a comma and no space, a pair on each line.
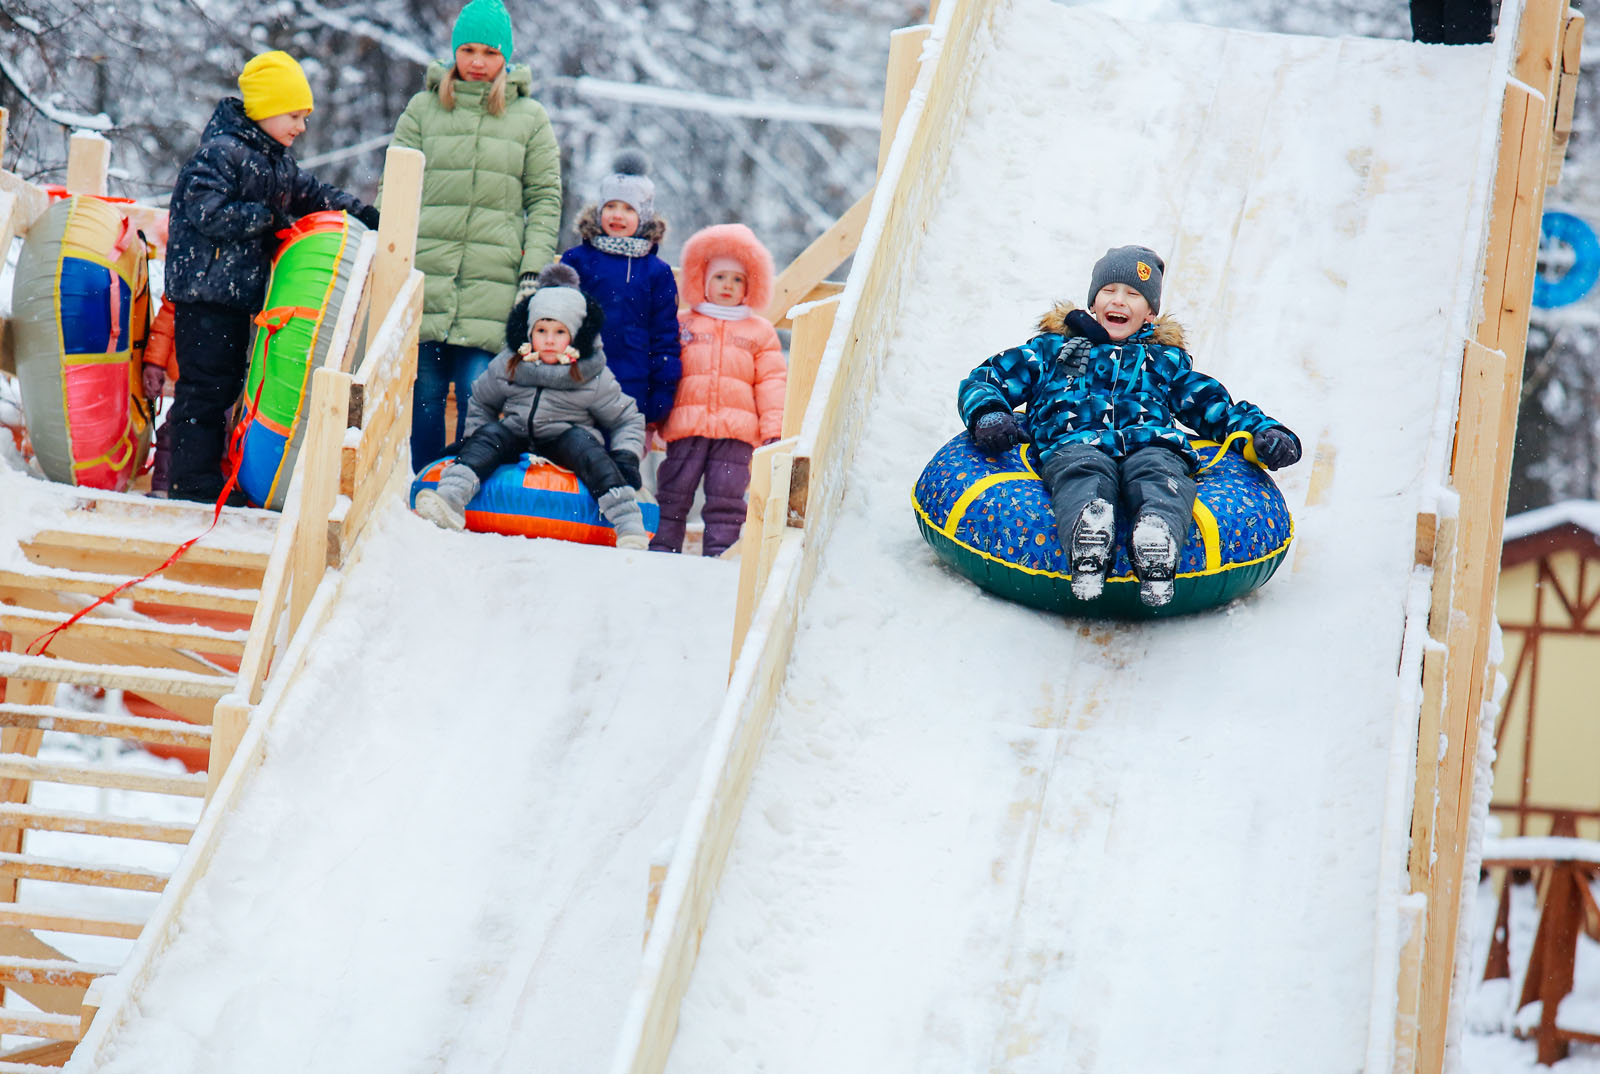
626,245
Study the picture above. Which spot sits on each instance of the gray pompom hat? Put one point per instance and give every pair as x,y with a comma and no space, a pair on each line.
629,182
1137,266
558,298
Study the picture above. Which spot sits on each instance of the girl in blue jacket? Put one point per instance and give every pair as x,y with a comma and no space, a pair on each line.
1105,390
619,266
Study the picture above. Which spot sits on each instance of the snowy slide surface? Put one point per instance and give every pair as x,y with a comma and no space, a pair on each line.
984,838
441,862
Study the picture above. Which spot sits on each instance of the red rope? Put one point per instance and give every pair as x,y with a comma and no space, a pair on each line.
235,459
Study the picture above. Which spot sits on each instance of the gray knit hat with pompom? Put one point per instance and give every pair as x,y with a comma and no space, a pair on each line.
558,298
629,182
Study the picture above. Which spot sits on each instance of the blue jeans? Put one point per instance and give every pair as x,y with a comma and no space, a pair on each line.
438,365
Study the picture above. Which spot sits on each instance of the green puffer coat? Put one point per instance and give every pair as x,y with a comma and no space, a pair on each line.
491,203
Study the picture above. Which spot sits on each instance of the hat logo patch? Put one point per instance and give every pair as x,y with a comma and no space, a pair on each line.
1143,271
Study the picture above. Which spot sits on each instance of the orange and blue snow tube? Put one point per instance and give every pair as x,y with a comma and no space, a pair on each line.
81,309
535,498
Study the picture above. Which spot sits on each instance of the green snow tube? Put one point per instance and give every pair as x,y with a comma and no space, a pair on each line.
310,275
991,520
80,308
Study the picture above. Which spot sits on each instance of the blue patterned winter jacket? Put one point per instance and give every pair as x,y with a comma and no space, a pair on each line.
1119,397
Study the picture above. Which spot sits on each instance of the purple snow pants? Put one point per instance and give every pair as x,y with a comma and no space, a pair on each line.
725,466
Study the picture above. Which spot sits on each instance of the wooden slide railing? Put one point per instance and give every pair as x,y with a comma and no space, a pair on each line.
1463,549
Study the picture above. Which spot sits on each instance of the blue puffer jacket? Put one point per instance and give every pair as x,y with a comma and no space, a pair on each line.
1119,397
640,297
231,198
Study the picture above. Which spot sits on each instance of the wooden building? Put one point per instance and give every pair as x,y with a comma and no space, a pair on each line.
1547,734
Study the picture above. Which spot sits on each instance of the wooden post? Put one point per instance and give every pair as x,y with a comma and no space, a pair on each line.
397,230
5,117
1566,95
326,417
88,160
749,547
807,339
1555,951
905,52
229,721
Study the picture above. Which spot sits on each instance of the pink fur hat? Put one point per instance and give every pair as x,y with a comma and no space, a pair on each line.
732,243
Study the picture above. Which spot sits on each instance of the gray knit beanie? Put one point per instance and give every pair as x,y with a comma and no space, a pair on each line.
558,298
1137,266
629,182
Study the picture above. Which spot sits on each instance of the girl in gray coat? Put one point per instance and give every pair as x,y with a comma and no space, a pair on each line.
550,393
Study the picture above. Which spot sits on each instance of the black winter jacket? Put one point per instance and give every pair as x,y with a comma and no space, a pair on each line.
232,197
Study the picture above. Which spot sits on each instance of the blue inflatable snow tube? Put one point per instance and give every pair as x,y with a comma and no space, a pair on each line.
536,499
991,520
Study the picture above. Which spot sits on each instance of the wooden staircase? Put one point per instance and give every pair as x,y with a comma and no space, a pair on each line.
167,649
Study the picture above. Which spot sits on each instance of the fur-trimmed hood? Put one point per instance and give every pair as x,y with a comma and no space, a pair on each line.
727,240
1163,330
589,226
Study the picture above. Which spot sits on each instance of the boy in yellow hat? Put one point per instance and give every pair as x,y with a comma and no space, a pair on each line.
241,188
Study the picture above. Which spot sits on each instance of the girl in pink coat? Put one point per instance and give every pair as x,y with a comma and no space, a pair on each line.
730,397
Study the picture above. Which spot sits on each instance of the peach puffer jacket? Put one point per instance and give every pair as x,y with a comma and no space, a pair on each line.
733,371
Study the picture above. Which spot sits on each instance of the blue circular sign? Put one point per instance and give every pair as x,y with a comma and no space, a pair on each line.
1569,257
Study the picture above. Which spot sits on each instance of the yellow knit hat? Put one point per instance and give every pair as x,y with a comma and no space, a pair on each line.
272,84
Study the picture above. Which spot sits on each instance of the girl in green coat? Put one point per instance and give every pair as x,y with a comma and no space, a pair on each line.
491,208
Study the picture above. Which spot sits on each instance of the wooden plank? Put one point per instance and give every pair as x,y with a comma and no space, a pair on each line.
15,970
750,541
397,231
32,818
40,1024
24,741
143,632
150,553
80,648
1482,505
1566,94
386,397
1513,118
807,340
1427,530
32,201
820,293
136,728
905,54
813,264
352,310
1425,802
55,998
326,415
21,766
139,680
230,721
156,591
88,162
263,636
1444,571
29,1060
774,515
1409,986
25,867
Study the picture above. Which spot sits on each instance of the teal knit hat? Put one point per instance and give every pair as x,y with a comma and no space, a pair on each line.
483,22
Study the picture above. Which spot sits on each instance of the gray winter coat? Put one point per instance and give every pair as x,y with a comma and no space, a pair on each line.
543,401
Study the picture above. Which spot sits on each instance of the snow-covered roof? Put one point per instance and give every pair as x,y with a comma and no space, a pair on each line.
1582,513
